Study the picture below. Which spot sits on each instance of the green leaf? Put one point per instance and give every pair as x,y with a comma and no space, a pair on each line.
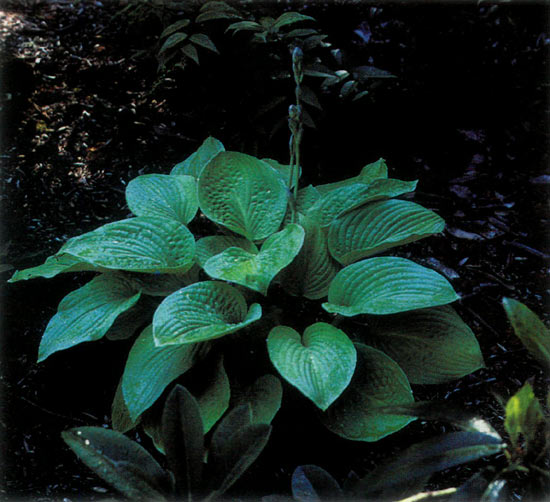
56,264
244,26
233,450
243,194
196,162
191,52
311,273
163,196
377,381
141,244
213,400
307,198
256,271
178,25
125,465
120,416
320,364
214,15
161,284
210,246
202,311
431,345
369,173
204,41
524,415
150,369
300,32
86,314
309,97
172,41
290,18
528,327
424,459
182,435
364,73
264,397
340,200
218,6
386,285
443,411
310,482
379,226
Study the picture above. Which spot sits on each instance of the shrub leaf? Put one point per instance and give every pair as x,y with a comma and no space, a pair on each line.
197,161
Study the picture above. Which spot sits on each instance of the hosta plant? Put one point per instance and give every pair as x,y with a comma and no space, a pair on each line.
259,240
207,265
131,470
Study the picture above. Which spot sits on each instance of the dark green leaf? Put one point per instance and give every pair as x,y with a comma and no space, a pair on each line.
244,26
309,97
426,458
191,52
183,440
290,18
264,397
197,161
364,73
56,264
125,465
172,41
204,41
212,15
178,25
235,445
312,483
528,327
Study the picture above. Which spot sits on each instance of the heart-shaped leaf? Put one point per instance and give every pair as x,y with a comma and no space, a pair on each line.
320,364
149,369
379,226
210,246
346,198
264,397
282,170
163,196
197,161
256,271
532,332
243,194
378,381
386,285
311,273
202,311
56,264
121,462
369,173
141,244
182,436
431,345
87,313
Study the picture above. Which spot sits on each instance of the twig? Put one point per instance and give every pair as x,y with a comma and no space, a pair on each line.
524,247
429,495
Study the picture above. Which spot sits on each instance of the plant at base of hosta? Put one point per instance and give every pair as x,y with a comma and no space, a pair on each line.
196,302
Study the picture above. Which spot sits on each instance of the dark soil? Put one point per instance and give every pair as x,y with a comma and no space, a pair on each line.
84,111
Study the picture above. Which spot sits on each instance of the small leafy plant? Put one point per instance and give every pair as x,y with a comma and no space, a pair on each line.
132,471
260,240
527,454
